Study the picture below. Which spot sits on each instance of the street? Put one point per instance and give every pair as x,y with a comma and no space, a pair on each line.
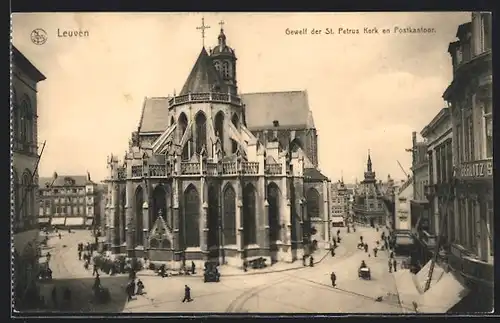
298,290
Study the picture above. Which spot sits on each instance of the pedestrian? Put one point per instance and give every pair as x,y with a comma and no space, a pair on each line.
333,277
48,256
311,261
95,271
391,255
193,268
338,239
332,251
79,255
390,266
97,282
59,236
366,247
394,264
375,250
338,232
129,292
54,296
304,260
348,229
361,239
140,287
245,266
187,294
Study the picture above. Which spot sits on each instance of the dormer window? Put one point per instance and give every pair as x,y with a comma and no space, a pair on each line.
276,123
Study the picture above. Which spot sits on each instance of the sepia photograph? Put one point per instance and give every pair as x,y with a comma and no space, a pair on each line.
244,162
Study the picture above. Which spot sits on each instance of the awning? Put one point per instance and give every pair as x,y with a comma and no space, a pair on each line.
74,221
404,240
89,221
43,220
443,295
337,219
58,221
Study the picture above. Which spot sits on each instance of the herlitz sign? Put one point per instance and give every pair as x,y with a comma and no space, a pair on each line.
476,169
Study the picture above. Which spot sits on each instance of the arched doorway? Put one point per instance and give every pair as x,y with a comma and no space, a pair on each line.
273,198
219,127
213,241
249,220
159,205
139,201
123,221
191,217
201,132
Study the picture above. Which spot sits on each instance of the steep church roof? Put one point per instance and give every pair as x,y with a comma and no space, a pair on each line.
203,77
290,109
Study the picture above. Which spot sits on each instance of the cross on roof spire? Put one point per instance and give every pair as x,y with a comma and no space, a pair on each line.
202,28
221,23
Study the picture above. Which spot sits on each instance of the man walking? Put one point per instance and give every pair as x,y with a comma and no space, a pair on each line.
390,266
187,294
95,271
333,277
394,264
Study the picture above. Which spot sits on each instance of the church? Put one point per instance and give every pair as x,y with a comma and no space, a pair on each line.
368,203
213,174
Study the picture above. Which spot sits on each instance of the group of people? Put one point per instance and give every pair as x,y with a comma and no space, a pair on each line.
134,287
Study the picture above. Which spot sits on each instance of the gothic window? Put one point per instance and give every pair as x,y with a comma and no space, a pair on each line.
229,216
139,201
123,202
249,214
313,203
27,191
273,198
217,66
182,124
236,122
191,217
295,145
219,127
159,205
225,70
201,132
213,217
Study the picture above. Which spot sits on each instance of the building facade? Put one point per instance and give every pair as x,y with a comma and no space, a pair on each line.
212,174
69,201
470,102
368,205
339,203
439,192
24,158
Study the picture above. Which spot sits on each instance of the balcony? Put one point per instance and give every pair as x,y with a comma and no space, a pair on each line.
211,97
274,169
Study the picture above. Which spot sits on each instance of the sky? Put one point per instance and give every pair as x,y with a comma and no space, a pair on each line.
366,91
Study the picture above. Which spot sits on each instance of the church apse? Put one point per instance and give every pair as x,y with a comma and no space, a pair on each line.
205,176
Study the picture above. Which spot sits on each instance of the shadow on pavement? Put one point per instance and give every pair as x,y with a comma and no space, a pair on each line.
82,296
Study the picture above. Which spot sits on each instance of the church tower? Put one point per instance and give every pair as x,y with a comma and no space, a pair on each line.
369,174
224,61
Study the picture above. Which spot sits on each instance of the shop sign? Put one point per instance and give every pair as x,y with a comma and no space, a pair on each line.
476,169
